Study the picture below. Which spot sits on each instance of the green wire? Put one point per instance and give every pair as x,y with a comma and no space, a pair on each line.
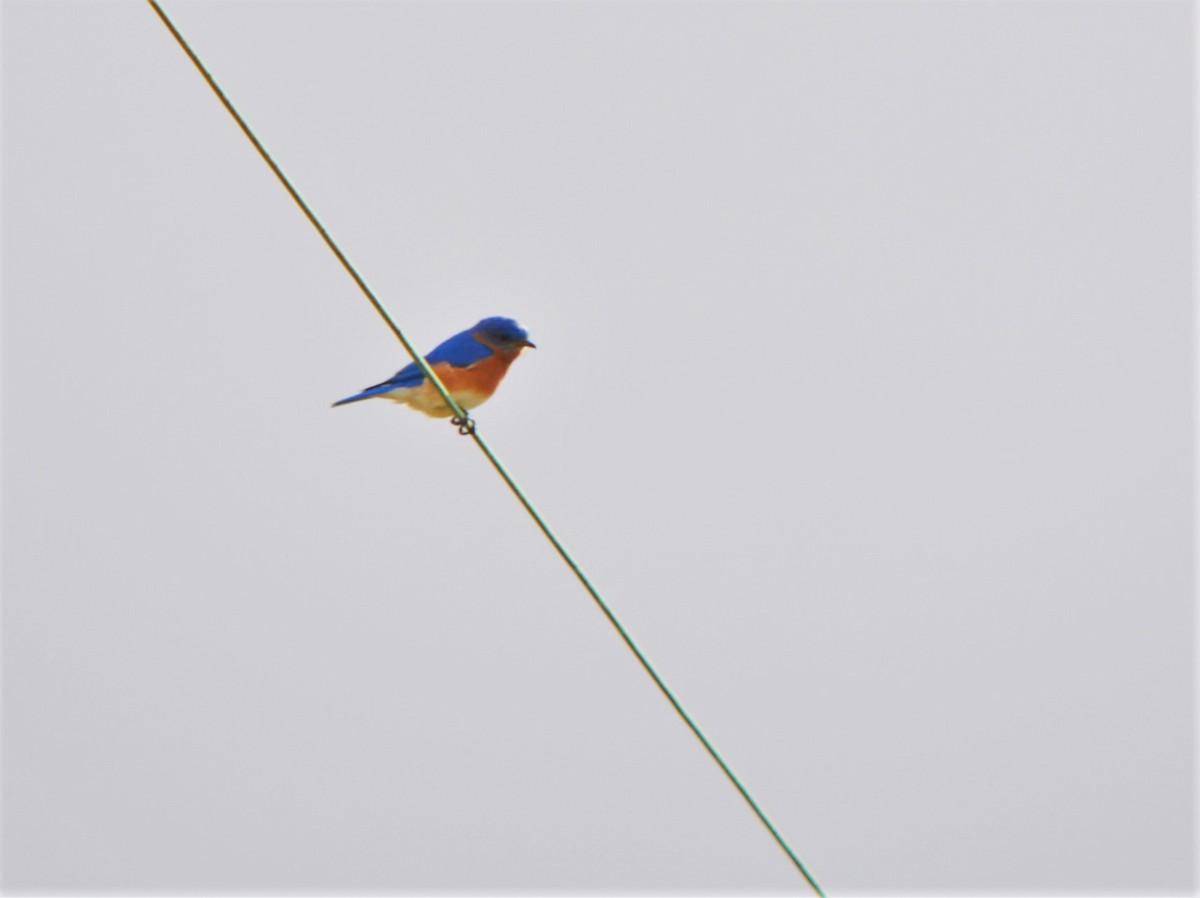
467,427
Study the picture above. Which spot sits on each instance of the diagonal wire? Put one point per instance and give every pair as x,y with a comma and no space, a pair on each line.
468,428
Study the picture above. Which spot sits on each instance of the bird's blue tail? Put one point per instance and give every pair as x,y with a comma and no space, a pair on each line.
377,390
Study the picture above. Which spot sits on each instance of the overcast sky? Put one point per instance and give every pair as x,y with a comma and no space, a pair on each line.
863,391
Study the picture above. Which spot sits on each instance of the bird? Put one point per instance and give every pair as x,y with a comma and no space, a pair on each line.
470,364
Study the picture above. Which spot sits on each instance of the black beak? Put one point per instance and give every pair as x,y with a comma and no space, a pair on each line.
527,343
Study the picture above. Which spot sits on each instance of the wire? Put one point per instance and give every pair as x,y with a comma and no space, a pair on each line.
467,428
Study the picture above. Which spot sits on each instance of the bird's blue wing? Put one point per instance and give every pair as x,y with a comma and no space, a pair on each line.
459,351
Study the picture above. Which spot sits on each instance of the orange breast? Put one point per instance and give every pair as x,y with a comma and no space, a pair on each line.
480,379
470,387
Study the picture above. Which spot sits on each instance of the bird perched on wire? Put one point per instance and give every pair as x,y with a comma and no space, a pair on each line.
470,365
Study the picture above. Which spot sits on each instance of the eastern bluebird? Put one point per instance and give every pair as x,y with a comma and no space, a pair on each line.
470,365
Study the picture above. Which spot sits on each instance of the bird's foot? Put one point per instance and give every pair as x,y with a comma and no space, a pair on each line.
466,426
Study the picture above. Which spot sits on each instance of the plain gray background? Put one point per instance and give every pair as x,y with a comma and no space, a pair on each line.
864,392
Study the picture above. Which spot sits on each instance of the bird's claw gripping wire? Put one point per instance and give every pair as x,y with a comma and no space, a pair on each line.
466,426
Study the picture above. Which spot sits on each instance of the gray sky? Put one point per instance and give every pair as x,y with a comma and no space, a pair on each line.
863,391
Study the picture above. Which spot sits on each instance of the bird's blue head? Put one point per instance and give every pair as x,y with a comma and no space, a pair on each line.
503,333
